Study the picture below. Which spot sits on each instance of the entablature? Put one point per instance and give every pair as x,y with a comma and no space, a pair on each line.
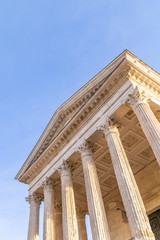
88,130
79,120
68,122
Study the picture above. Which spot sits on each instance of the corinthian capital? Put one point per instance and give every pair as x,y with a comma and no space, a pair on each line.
64,169
80,213
34,198
57,206
136,98
109,127
86,148
47,184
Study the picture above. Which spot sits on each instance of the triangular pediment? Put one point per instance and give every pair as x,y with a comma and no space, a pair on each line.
70,112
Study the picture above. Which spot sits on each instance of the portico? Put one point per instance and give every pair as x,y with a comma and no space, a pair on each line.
100,155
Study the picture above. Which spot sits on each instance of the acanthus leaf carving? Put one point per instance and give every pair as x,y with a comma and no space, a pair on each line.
64,169
80,213
57,206
48,184
136,98
86,148
110,125
35,197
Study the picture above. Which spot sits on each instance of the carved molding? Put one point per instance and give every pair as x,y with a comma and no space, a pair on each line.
144,80
95,100
110,85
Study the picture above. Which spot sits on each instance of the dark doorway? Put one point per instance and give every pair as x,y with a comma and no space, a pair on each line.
154,219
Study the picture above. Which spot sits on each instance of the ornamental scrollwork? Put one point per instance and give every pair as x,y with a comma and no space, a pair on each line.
64,169
136,98
86,148
80,213
110,126
47,184
34,198
57,206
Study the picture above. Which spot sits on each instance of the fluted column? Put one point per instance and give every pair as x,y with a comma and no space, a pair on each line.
147,120
58,220
99,225
70,229
33,230
81,224
49,224
131,197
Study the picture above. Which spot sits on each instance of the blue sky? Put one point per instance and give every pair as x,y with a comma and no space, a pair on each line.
48,50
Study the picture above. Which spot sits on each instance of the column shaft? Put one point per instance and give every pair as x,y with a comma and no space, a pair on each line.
70,229
82,229
147,120
82,232
99,225
33,230
49,224
131,197
58,221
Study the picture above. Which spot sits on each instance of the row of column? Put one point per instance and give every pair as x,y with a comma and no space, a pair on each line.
133,203
73,218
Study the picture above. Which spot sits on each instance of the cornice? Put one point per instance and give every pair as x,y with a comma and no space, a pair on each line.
82,106
76,123
144,80
64,111
142,67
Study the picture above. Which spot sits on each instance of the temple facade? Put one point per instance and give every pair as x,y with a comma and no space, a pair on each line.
100,155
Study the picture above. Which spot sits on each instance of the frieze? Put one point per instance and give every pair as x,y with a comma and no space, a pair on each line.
105,92
63,118
70,129
144,80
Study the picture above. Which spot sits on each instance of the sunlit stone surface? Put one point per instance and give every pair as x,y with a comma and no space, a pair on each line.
79,165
